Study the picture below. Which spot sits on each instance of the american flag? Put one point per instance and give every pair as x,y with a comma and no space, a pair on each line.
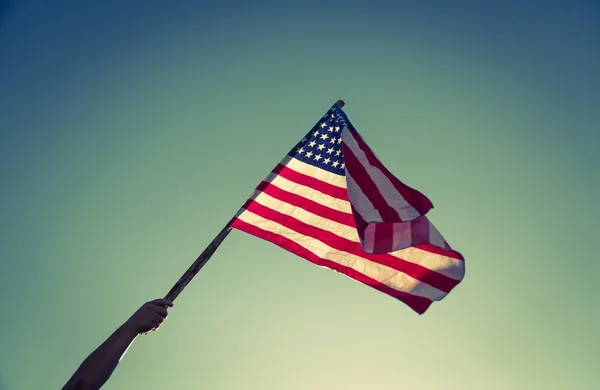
332,202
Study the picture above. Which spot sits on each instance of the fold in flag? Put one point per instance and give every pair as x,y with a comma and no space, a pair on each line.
332,202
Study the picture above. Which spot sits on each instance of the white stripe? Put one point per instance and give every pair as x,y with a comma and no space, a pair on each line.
385,275
312,171
392,197
402,235
309,193
368,241
435,237
362,204
340,230
452,268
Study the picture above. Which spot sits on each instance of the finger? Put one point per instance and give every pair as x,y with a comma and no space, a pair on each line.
162,311
162,302
158,322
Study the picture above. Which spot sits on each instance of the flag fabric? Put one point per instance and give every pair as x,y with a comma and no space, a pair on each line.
332,202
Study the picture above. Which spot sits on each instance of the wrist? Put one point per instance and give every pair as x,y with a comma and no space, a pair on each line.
128,330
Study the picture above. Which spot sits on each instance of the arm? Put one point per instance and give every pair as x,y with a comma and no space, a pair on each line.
99,366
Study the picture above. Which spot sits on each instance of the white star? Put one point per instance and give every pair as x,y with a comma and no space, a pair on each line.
335,164
343,165
324,137
312,144
337,153
299,150
330,129
333,140
323,124
326,161
339,140
308,154
330,150
337,128
318,157
321,147
316,133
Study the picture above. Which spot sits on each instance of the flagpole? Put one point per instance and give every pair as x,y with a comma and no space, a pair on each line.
198,264
206,254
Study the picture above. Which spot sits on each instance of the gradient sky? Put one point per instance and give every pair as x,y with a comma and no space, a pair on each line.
132,131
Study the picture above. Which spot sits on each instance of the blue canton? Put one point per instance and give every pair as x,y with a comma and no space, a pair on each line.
322,146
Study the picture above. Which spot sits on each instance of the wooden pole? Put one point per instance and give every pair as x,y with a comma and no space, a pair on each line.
206,254
198,264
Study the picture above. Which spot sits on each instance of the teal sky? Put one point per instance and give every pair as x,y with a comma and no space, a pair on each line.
130,132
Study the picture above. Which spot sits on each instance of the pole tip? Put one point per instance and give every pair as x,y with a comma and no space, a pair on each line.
340,103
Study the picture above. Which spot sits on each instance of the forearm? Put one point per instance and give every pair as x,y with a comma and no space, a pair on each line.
99,366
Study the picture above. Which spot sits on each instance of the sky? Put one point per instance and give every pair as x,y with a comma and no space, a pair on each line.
131,132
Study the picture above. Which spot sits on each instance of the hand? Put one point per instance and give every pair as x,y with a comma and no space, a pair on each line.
149,317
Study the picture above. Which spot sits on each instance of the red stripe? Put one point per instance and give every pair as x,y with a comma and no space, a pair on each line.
308,181
384,238
309,205
419,231
423,274
362,178
418,304
361,224
416,199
